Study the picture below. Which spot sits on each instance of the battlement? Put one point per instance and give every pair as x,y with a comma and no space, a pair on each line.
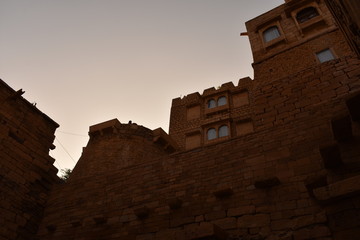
276,157
243,84
216,115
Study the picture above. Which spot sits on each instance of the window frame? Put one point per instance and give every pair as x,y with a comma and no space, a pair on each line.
330,50
207,134
267,32
303,27
211,100
307,18
216,127
227,131
222,104
217,107
274,41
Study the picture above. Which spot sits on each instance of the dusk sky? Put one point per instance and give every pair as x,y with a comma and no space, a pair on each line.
88,61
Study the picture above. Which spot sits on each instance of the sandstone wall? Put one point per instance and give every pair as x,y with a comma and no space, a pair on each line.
278,182
296,47
26,169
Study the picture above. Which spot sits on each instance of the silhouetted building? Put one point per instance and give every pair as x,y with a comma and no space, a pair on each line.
277,157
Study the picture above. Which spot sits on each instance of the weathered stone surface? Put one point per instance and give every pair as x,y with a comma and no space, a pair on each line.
270,126
26,171
251,221
340,189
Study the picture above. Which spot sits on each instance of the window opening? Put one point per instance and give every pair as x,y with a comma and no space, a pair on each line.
221,101
211,103
223,131
271,33
325,55
306,14
211,134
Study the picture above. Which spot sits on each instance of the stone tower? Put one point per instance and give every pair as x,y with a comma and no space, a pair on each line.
293,37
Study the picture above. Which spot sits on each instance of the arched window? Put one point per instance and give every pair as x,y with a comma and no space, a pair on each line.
211,134
306,14
211,103
271,33
223,131
221,101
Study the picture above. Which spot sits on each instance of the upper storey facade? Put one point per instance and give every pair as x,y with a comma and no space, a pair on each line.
216,115
294,36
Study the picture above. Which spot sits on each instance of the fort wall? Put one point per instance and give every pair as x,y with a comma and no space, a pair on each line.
26,169
272,183
276,157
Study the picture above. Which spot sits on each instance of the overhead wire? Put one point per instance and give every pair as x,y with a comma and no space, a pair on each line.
65,149
74,134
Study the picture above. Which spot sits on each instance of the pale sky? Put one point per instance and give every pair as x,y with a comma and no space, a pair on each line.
88,61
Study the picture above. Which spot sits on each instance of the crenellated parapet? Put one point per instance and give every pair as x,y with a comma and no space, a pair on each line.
215,115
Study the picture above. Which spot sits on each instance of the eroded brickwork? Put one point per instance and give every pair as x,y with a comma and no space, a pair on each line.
191,117
26,169
277,157
272,183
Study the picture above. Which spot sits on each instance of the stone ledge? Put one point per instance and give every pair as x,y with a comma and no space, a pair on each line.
337,190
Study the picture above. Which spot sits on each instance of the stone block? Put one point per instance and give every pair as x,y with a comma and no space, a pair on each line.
234,212
215,215
340,189
313,232
226,223
252,221
207,231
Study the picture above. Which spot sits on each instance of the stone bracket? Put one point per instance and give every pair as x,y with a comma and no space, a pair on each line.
338,190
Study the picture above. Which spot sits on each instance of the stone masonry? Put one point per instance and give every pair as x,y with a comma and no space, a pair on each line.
276,157
26,169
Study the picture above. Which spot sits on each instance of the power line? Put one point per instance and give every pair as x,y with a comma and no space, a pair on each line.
65,149
74,134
